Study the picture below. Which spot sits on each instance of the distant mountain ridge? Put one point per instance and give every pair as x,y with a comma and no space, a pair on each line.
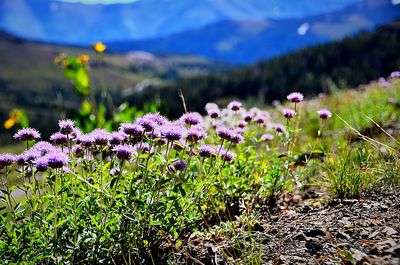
246,41
342,64
74,23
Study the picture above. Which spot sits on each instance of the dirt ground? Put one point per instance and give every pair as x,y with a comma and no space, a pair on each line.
356,231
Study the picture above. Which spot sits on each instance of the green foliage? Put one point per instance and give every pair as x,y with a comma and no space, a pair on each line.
77,72
101,209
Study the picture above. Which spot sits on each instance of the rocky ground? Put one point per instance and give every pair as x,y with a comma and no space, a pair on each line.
357,231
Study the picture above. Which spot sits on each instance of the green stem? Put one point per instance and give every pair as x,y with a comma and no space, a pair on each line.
9,195
55,191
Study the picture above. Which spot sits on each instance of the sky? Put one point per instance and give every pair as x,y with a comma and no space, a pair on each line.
105,2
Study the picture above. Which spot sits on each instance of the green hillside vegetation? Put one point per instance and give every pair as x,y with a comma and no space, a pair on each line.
30,80
323,68
124,204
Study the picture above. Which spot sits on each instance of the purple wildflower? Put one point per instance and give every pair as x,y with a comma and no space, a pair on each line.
30,155
248,116
76,132
20,159
191,118
66,126
117,138
155,134
237,138
172,132
227,156
211,105
242,124
6,160
295,97
213,113
324,114
86,140
43,147
207,151
288,113
239,130
124,152
59,138
195,134
27,134
148,124
260,119
57,159
225,133
100,136
42,163
279,128
234,105
77,150
156,117
132,129
179,165
395,74
267,137
141,147
382,81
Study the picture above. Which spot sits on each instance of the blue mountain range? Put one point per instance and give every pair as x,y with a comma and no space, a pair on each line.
236,31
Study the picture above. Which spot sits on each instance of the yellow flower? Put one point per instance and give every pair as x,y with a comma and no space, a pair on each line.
99,47
256,177
15,114
83,59
8,124
14,118
58,60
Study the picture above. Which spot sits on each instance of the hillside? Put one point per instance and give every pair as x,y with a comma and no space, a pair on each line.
30,79
323,68
249,40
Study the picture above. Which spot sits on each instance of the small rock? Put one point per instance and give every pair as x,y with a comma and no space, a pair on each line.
365,234
349,201
384,207
345,221
315,232
382,247
314,246
373,235
389,231
358,255
300,237
334,203
304,209
342,235
265,241
394,251
273,231
257,227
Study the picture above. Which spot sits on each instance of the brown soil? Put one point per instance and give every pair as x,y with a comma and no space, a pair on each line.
357,231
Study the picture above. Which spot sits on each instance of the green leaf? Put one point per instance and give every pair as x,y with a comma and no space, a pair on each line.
86,108
155,223
82,82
